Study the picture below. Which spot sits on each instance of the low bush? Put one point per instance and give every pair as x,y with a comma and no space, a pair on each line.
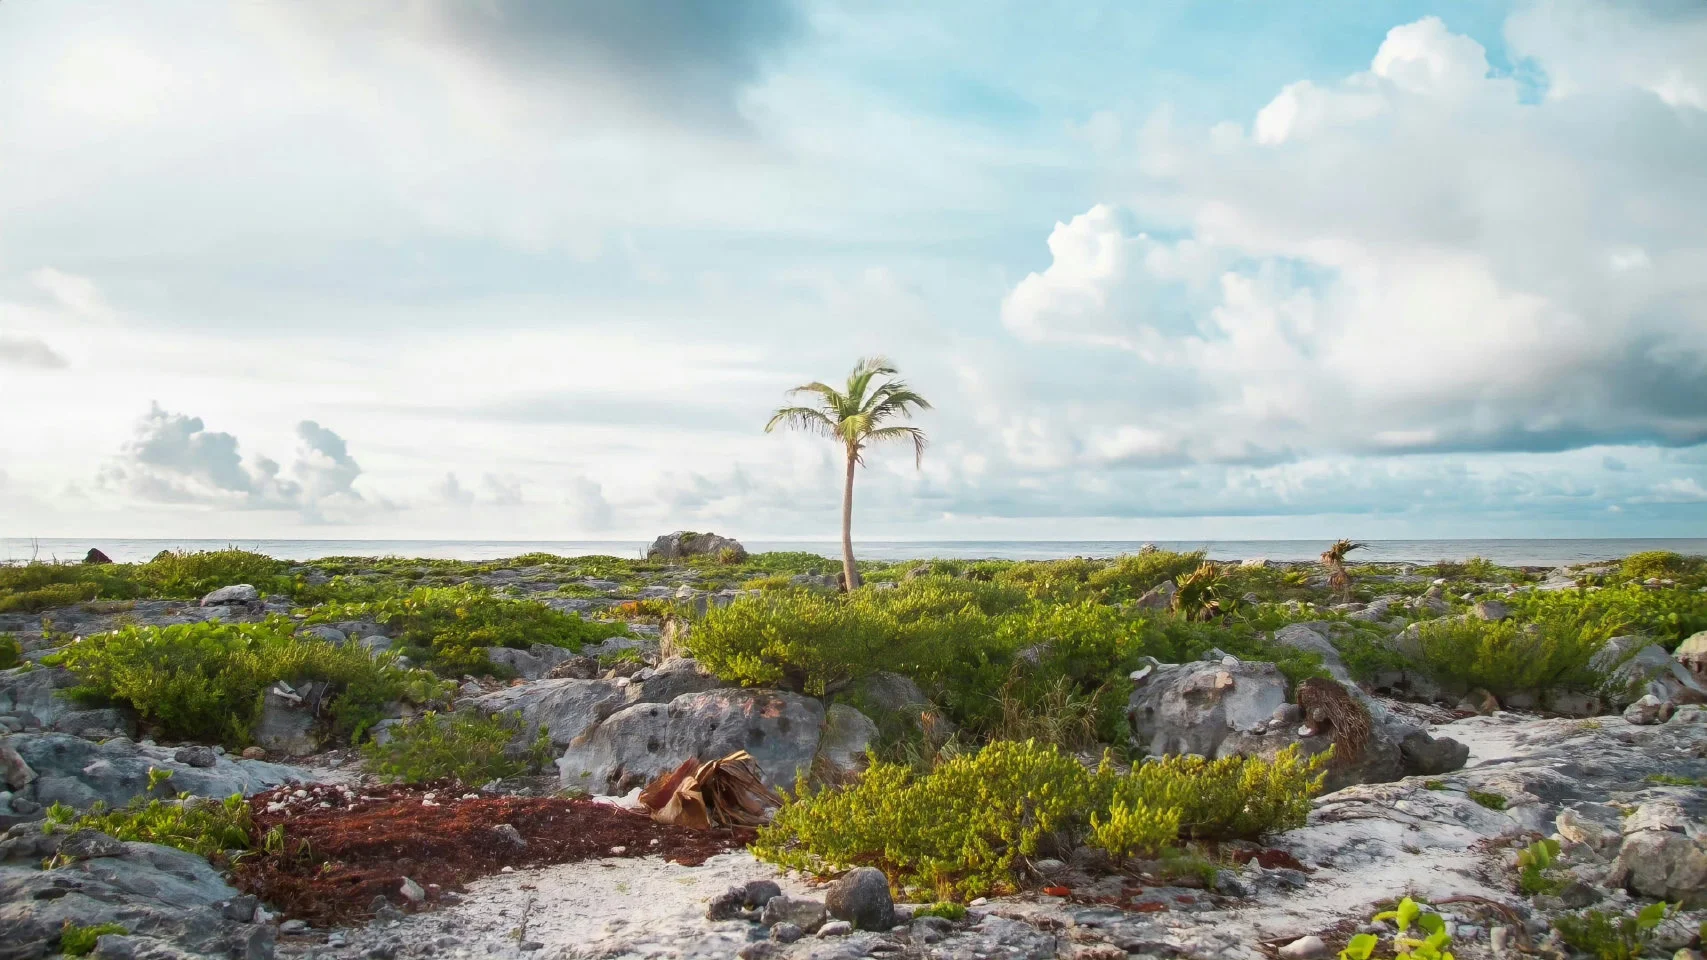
1613,936
11,652
1669,616
1506,656
447,629
31,587
79,941
466,746
956,831
194,574
44,598
203,826
207,681
1662,564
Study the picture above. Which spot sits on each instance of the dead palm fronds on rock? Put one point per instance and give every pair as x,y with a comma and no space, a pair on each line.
858,415
1333,558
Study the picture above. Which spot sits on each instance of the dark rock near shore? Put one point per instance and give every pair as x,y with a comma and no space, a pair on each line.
96,556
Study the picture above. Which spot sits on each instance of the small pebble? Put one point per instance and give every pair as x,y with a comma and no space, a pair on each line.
1304,948
835,928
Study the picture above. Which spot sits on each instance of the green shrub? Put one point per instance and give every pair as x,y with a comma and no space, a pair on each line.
43,598
447,629
31,587
956,830
947,910
1492,801
11,652
1434,944
202,826
1533,865
1664,564
78,941
1506,656
186,574
464,746
207,681
1609,936
1667,615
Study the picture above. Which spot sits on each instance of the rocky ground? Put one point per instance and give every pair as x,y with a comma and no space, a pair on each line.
1436,805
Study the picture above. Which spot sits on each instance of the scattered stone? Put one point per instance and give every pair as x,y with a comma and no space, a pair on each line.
786,932
1479,702
808,915
1304,948
836,928
757,893
254,753
91,845
412,891
196,756
1159,597
1491,610
292,928
241,593
728,905
1644,712
861,896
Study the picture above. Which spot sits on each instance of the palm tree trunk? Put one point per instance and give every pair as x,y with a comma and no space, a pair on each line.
850,573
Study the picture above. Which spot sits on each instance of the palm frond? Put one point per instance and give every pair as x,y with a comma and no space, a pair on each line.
810,419
913,434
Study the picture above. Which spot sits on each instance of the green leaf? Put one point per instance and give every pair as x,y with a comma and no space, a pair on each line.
1359,947
1651,915
1432,924
1407,913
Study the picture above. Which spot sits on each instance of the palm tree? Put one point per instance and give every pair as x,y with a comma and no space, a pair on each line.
856,416
1333,558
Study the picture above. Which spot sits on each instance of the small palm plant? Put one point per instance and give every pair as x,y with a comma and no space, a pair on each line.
1333,559
857,417
1198,594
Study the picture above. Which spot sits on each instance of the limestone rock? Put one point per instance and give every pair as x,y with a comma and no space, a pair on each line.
1662,856
286,725
1158,597
236,594
636,744
1193,707
847,735
79,772
529,664
1652,671
683,544
674,677
564,708
1644,711
1692,653
806,914
861,896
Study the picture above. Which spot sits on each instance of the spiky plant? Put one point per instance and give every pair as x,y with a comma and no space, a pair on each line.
857,416
1333,558
1198,594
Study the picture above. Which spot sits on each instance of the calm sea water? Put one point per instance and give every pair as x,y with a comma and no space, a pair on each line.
1508,552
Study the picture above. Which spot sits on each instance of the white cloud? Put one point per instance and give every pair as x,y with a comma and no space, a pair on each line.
589,511
451,491
30,353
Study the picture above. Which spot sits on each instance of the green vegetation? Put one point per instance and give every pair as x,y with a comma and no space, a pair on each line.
447,629
1673,780
945,909
207,681
463,746
1435,943
858,417
1533,865
11,652
1505,656
77,941
1610,936
955,832
205,827
38,586
1492,801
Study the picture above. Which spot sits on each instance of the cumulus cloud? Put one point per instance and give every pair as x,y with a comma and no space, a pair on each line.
505,491
29,353
175,458
1416,259
450,491
588,508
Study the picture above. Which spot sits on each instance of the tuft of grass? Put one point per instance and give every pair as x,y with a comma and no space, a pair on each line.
1492,801
1611,936
1673,780
11,652
202,826
79,941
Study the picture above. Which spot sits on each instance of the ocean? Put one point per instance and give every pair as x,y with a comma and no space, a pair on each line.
1506,552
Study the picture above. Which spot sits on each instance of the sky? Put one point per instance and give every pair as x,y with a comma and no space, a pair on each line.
541,269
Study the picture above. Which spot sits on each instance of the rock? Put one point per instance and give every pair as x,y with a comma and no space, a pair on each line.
1660,857
35,693
97,724
530,664
1306,637
1615,651
196,756
95,556
1688,713
674,677
13,769
254,753
1652,671
291,928
759,950
321,631
1424,755
79,772
808,915
508,833
786,932
241,593
411,891
836,928
564,708
375,644
286,725
1304,948
1490,610
683,544
1158,597
1692,653
1193,707
728,905
842,748
756,893
1480,702
1644,711
861,897
90,845
1573,703
636,744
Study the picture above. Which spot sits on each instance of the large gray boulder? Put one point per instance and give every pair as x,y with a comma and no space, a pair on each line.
78,772
1692,653
673,678
1652,672
529,664
848,734
287,723
1663,854
683,544
1312,638
1193,707
636,744
565,708
235,595
170,902
34,694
